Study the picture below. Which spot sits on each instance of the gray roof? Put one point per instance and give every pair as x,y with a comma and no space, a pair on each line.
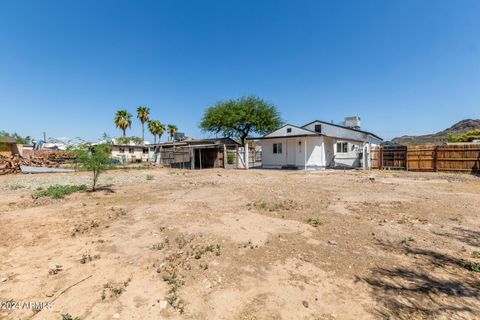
340,126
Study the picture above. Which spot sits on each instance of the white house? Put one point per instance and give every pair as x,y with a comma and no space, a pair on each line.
318,145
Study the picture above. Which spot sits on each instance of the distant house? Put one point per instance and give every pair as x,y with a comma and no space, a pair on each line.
127,153
318,145
9,146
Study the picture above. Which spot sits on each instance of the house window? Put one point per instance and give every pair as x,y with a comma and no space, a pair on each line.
131,150
277,148
145,150
342,147
289,130
318,128
122,150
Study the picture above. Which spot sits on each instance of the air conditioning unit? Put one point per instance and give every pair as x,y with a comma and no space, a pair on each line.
179,136
352,122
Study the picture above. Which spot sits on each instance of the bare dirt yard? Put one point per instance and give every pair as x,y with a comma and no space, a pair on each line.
257,244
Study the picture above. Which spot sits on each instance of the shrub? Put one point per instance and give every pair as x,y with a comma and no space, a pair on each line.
314,222
59,191
95,158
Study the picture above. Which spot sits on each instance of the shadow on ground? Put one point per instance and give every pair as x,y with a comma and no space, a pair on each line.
467,236
439,286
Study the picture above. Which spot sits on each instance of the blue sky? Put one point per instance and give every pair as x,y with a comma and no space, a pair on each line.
404,66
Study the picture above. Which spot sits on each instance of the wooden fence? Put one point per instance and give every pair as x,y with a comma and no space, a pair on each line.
454,158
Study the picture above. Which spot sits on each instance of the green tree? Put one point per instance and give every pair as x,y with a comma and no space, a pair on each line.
241,117
143,114
160,130
18,138
95,158
123,120
127,140
466,137
156,128
172,129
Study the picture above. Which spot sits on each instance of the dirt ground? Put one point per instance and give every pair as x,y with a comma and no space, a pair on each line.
230,244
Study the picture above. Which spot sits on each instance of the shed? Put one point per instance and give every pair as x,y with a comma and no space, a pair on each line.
9,146
196,153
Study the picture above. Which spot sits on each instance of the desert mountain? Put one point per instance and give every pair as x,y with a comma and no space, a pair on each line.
460,127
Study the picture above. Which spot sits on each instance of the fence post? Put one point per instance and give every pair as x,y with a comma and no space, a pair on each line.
381,157
435,157
225,156
406,158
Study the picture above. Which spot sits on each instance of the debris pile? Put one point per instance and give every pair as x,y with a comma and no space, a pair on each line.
12,164
57,156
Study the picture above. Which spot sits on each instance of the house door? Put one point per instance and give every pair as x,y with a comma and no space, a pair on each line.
291,152
329,145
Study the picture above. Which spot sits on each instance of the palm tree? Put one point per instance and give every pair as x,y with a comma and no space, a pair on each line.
160,130
152,127
143,114
123,120
172,129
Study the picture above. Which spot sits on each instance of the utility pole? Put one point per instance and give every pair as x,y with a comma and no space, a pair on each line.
44,136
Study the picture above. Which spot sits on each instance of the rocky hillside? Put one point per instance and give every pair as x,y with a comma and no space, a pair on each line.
440,137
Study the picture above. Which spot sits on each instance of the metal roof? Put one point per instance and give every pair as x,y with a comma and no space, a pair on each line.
343,127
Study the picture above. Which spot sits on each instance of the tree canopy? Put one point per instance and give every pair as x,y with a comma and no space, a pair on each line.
172,129
18,138
123,120
156,128
143,114
238,118
95,158
466,137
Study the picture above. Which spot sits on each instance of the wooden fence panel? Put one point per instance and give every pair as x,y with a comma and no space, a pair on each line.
461,158
453,157
376,157
421,158
394,157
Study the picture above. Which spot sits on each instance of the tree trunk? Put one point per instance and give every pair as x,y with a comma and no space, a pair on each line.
154,139
143,133
123,132
95,177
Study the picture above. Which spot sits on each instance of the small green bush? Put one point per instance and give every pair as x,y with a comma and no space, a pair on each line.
231,158
472,266
150,177
314,222
58,191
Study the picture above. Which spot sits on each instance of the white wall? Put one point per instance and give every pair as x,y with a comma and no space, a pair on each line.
127,156
315,156
350,159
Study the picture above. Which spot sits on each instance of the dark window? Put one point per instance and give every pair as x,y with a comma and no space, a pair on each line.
289,130
318,128
342,147
130,150
145,150
122,150
277,148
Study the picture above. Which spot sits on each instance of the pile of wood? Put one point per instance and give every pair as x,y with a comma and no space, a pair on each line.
59,156
12,164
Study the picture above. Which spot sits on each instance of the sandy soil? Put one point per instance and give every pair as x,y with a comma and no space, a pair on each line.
224,244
